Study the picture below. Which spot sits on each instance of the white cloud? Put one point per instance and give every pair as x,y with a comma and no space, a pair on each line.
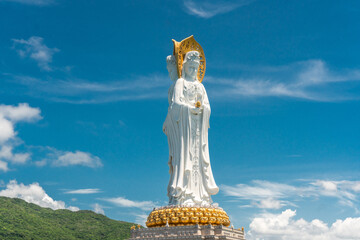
22,112
32,2
33,193
35,49
41,163
208,9
78,158
345,191
283,226
355,187
140,218
269,203
346,229
72,208
84,191
261,194
78,91
6,152
311,80
271,195
98,209
9,116
4,166
123,202
6,130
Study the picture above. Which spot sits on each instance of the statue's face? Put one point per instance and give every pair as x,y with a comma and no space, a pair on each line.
191,69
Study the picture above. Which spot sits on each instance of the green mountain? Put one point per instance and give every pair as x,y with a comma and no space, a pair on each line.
22,220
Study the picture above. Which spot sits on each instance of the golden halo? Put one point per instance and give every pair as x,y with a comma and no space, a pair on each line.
187,45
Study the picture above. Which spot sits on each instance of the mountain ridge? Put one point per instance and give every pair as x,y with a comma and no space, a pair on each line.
22,220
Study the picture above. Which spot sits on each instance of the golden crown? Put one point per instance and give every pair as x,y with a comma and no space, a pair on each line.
187,45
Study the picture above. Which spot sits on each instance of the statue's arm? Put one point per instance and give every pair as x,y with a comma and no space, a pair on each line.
206,104
171,93
178,100
178,94
170,99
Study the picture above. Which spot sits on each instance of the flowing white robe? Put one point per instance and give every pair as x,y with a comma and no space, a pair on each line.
191,179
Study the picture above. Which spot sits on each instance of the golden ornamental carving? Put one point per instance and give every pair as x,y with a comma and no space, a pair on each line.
181,216
187,45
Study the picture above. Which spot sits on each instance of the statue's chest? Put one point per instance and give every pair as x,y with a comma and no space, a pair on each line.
193,92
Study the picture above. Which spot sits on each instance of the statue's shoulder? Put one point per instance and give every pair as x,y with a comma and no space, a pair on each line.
201,85
179,82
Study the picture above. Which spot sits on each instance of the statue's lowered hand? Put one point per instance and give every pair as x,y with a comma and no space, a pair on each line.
195,110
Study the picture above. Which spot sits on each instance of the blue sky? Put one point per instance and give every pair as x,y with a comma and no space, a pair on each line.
84,96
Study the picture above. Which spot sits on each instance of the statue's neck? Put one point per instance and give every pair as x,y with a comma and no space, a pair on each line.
190,78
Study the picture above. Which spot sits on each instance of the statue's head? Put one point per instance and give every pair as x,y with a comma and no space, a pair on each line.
191,65
171,67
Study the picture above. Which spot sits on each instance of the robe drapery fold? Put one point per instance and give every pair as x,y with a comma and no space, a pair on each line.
191,178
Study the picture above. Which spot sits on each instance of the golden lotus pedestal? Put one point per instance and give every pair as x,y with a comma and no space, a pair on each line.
183,216
175,222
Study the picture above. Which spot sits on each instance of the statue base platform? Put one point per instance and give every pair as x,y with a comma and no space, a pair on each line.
188,232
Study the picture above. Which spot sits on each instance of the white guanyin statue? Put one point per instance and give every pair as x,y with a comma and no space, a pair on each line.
186,126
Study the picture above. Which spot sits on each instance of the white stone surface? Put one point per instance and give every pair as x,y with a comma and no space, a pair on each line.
188,232
186,126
